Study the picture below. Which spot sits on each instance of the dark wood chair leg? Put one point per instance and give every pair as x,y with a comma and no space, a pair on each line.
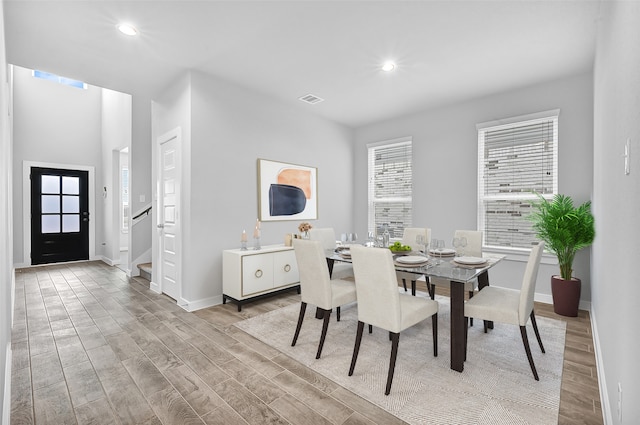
325,326
486,326
413,288
466,336
525,341
338,313
432,290
356,347
303,308
471,318
370,329
395,338
535,329
434,330
404,283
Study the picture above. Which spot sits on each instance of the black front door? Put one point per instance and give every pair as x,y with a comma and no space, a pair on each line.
59,215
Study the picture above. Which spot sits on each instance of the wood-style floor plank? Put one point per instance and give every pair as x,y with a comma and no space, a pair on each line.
91,346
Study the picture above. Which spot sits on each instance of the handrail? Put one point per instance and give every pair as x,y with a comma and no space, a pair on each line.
143,212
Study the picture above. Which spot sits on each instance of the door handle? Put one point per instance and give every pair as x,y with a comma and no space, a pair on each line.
161,226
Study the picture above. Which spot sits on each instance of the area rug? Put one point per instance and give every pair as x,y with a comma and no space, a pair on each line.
496,386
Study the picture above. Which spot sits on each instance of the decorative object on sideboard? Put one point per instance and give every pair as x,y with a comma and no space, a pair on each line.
565,229
243,241
304,228
256,236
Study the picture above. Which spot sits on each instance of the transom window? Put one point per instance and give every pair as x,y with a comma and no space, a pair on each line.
516,160
390,186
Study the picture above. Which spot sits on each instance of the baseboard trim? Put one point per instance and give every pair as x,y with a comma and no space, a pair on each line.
6,402
192,306
602,382
155,287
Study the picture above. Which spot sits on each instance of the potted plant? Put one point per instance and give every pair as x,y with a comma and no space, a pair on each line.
565,229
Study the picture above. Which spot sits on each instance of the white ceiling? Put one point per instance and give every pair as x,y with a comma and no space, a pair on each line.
446,51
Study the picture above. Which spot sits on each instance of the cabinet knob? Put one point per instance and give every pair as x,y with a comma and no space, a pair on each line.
287,268
258,273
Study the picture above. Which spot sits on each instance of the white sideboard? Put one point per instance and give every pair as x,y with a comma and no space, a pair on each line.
252,274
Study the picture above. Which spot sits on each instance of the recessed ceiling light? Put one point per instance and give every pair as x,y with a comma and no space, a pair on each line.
388,66
127,29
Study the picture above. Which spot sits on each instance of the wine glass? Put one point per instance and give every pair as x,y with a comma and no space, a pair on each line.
463,245
343,238
438,246
456,245
420,241
353,237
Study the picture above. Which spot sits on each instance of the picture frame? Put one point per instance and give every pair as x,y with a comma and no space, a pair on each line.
287,191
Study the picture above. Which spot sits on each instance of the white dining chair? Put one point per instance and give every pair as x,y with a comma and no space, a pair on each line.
327,236
473,249
317,288
409,238
510,306
381,304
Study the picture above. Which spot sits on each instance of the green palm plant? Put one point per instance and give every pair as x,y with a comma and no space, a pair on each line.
565,229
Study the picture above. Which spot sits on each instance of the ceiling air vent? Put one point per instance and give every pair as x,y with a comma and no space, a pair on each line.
311,99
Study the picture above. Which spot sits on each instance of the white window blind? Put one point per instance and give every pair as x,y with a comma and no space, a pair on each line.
390,186
515,161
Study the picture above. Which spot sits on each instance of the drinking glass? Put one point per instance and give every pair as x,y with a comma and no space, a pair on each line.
456,245
463,245
438,246
353,237
343,238
420,241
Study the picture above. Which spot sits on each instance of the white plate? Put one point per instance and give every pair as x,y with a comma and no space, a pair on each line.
470,260
411,259
445,251
345,253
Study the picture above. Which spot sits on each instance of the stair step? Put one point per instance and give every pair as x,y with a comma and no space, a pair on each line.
145,270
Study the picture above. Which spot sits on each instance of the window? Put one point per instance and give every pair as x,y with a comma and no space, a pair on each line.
390,186
58,79
124,190
516,160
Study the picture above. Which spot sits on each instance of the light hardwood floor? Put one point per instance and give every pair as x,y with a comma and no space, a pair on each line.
91,346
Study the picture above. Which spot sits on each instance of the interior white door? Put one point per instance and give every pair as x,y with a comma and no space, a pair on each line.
169,214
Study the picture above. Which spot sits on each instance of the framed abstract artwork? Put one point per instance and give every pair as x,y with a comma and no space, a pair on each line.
287,191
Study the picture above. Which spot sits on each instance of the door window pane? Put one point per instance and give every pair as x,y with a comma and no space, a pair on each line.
70,204
50,224
71,185
50,204
50,184
70,223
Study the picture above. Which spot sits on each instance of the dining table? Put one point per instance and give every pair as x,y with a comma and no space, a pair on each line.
445,267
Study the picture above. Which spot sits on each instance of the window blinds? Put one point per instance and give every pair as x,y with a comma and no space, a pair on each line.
390,187
515,162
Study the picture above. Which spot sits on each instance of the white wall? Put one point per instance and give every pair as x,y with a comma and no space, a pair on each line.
53,123
445,163
616,201
6,260
116,135
231,128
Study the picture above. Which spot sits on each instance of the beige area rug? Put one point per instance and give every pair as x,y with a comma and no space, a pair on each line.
496,387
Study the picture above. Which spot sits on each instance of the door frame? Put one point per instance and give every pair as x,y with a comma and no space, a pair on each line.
156,284
26,205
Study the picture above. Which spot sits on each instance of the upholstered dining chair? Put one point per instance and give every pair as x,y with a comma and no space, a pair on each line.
381,304
317,288
510,306
327,236
409,238
473,249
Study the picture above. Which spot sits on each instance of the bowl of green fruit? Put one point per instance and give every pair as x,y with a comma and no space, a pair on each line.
398,248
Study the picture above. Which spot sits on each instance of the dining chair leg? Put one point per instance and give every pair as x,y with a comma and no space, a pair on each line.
338,313
471,318
434,330
370,329
535,329
356,346
486,326
325,326
525,341
395,339
303,308
432,290
404,283
413,288
466,336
